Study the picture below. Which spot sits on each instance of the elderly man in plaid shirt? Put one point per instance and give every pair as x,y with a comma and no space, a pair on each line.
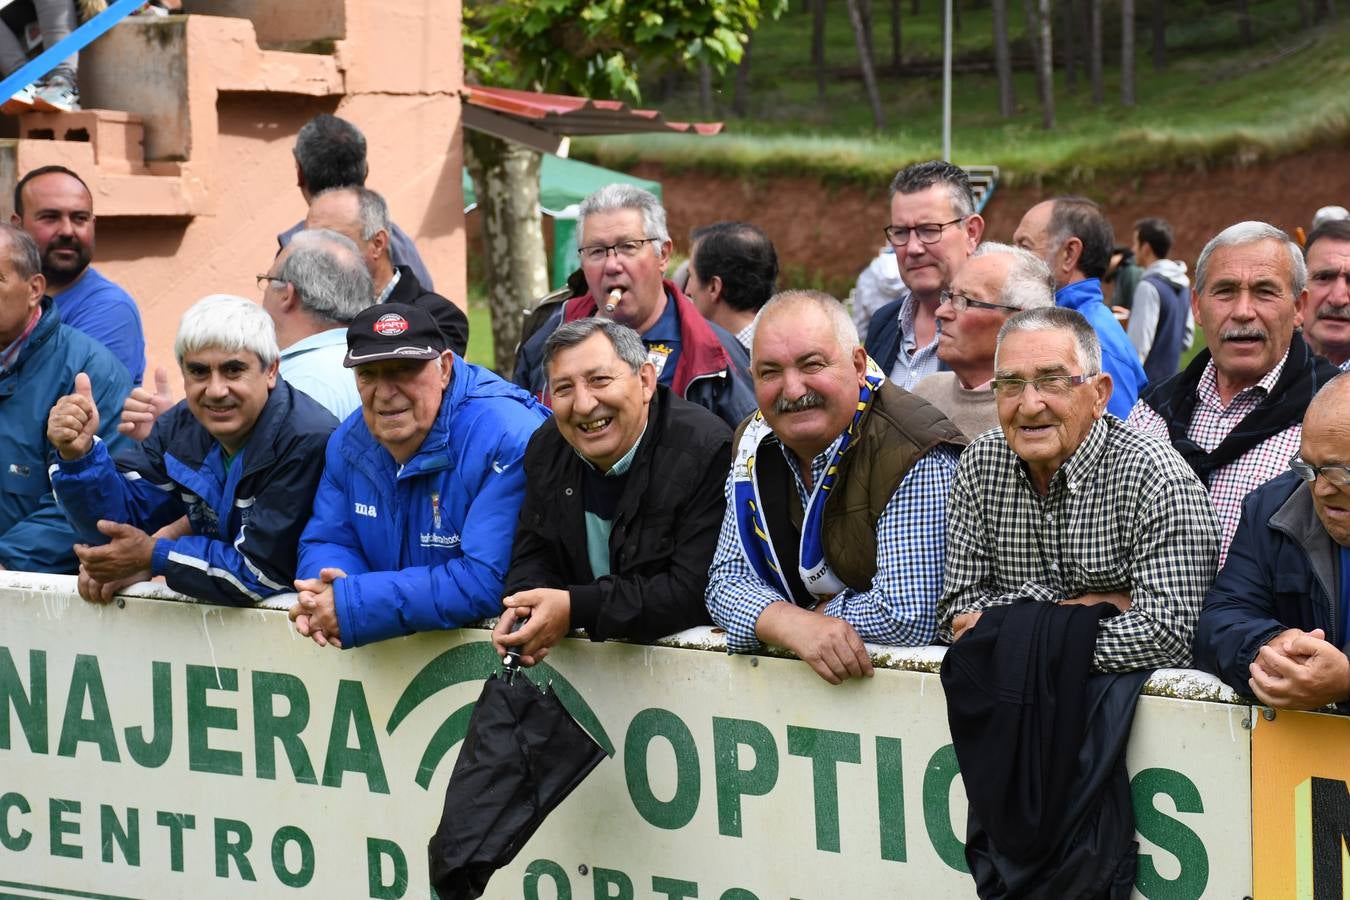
1235,413
1067,505
836,501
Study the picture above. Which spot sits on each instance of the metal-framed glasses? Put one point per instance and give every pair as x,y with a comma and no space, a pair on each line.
625,249
1046,385
1334,474
928,232
961,302
265,280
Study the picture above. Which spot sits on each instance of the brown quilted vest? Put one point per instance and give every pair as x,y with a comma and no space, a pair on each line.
895,432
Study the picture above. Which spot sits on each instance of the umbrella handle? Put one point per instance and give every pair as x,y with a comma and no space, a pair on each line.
511,662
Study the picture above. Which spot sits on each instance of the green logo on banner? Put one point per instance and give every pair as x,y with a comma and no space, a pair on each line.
475,662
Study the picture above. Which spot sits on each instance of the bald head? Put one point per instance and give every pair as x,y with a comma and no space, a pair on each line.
1331,406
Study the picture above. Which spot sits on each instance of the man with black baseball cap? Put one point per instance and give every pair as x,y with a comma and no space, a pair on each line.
413,517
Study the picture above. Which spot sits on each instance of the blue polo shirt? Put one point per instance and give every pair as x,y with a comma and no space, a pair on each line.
105,312
663,342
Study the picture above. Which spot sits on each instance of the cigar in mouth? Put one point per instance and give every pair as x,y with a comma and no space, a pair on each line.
614,297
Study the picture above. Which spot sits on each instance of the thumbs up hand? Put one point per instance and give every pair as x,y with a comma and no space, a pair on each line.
74,421
142,407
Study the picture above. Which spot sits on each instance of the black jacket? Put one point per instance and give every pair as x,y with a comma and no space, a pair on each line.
449,318
665,526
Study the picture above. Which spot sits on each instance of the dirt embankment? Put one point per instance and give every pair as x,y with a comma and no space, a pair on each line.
825,234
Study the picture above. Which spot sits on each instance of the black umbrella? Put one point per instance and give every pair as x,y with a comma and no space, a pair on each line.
523,754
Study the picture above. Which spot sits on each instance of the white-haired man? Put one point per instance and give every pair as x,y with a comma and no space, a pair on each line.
238,458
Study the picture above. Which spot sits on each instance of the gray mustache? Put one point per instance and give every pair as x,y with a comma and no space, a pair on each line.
1342,313
809,400
1238,333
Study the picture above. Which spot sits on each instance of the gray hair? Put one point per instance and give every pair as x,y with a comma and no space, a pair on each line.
1029,284
1055,318
1252,232
228,323
626,342
845,331
616,196
329,274
23,252
372,212
923,175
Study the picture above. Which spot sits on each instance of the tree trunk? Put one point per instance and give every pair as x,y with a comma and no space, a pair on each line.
896,52
914,7
1244,20
1159,34
956,16
1070,44
818,46
1047,67
740,100
865,58
1305,14
506,181
865,10
1127,52
1007,96
1034,42
705,97
1095,61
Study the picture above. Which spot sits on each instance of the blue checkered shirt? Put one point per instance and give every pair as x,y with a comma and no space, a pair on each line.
900,608
914,363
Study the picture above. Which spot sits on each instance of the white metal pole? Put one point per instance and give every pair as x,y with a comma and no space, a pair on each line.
947,83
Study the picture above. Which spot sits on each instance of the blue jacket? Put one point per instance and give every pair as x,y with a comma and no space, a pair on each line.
425,546
1281,573
246,518
1119,358
34,535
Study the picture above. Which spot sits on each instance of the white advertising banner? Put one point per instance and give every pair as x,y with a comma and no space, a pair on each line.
169,749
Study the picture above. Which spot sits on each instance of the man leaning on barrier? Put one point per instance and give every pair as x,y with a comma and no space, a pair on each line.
623,499
1067,505
1274,625
236,457
413,518
836,502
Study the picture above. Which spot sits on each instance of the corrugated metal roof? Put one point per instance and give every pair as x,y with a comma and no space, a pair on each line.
561,114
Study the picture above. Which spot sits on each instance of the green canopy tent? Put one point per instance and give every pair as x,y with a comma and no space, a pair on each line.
563,184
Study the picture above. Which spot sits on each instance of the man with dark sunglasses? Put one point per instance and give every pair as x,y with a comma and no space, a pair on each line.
1274,625
997,281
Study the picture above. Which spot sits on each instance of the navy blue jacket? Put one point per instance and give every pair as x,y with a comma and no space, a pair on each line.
424,546
246,518
883,335
34,535
1281,573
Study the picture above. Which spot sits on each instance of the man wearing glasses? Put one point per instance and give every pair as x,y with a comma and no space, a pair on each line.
997,281
1274,625
1068,505
624,248
933,228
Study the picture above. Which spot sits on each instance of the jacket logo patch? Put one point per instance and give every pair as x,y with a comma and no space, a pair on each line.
430,539
22,471
366,509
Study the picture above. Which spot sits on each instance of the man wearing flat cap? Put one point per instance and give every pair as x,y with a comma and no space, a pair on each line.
414,515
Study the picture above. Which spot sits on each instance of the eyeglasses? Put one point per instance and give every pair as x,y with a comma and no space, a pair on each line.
265,280
960,302
1334,474
1046,385
625,249
928,232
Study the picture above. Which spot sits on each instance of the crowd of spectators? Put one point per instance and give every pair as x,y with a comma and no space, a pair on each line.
672,452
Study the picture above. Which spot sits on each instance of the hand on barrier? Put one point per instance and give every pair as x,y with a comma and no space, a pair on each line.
315,612
1299,669
142,408
96,591
829,645
128,552
73,421
548,617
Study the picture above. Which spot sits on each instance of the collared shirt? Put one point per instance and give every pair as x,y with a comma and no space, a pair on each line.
899,608
314,365
1210,424
389,288
914,362
746,335
1345,366
1124,513
663,342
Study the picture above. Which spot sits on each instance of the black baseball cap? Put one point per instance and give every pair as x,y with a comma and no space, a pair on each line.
392,331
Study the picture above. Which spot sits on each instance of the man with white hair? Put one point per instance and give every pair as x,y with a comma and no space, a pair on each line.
1022,511
1235,413
624,249
995,282
836,501
238,457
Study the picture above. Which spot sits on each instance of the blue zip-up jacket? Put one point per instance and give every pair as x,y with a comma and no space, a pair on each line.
1119,359
424,546
246,518
34,535
1282,572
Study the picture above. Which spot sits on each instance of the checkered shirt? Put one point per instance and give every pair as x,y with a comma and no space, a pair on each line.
914,364
1345,366
899,608
1124,513
1210,424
